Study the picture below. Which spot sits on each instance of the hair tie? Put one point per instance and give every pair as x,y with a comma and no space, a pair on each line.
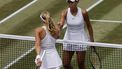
42,18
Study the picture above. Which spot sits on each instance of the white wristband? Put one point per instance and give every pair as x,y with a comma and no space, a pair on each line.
38,56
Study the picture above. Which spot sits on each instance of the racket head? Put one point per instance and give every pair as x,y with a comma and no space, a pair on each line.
95,58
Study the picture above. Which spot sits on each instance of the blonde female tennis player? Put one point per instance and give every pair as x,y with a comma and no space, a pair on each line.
45,37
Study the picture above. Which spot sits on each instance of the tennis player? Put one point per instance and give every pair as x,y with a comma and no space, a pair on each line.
45,37
76,20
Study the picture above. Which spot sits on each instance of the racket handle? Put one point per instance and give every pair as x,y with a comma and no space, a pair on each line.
43,55
37,67
93,47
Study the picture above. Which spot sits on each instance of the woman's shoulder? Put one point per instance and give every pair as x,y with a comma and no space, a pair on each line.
40,32
64,12
39,29
83,11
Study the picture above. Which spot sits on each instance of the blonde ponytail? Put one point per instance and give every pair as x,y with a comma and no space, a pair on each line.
51,26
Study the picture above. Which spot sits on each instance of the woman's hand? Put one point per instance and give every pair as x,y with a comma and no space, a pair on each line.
59,25
92,39
38,61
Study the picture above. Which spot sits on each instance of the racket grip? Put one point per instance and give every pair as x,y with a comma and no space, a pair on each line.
37,67
94,48
41,58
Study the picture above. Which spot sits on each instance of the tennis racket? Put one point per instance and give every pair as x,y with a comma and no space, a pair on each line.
42,56
94,58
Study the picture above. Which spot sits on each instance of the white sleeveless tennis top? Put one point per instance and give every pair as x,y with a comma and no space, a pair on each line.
75,31
51,58
48,42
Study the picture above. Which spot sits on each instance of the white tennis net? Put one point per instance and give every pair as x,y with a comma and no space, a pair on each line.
18,52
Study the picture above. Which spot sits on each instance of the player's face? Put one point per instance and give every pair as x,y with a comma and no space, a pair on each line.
72,4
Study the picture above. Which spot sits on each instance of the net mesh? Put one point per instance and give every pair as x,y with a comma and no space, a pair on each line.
13,51
20,54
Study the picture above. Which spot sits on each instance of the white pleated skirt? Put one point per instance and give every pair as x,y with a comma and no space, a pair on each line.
75,36
51,59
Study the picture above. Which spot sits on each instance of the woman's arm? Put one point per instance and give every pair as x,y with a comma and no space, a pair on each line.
58,31
62,18
89,26
38,36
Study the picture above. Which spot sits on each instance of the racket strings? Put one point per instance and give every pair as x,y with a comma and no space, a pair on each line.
95,58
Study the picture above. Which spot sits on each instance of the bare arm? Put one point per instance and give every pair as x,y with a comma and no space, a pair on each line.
38,32
89,26
62,19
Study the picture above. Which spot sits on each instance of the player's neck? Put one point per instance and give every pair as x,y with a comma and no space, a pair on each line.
74,11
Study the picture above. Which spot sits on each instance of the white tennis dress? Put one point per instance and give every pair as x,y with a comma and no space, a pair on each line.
51,59
75,31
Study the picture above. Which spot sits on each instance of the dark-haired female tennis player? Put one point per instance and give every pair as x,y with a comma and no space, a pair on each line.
76,20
